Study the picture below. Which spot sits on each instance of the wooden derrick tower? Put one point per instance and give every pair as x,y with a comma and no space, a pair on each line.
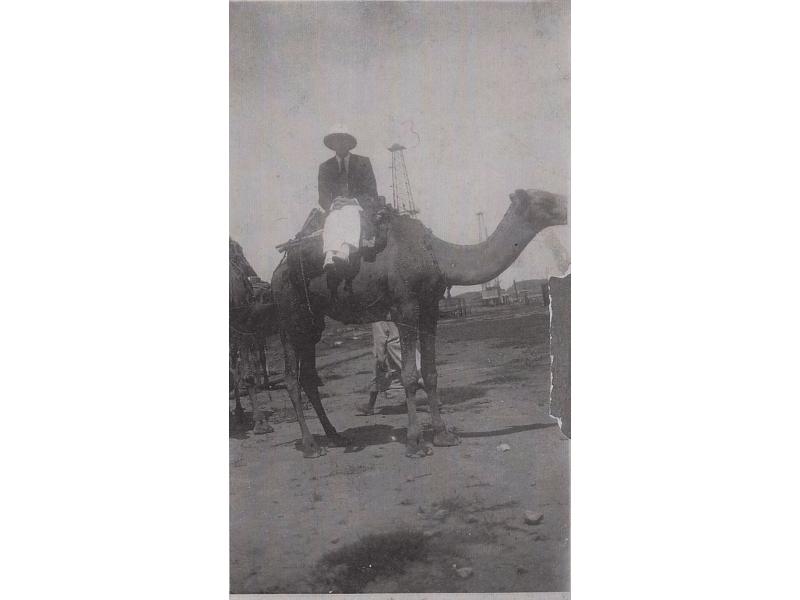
402,198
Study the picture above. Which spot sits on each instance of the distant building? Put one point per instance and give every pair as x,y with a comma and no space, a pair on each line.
471,298
492,296
527,289
453,308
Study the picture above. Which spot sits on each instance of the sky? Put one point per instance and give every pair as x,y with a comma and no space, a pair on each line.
477,92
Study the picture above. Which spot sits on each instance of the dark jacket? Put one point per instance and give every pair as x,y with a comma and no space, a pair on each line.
359,183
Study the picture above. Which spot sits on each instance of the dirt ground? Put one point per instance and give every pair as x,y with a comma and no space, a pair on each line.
368,519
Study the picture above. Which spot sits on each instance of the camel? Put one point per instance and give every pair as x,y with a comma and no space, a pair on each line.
251,319
406,278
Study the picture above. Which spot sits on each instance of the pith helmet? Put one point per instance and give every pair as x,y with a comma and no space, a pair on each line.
339,133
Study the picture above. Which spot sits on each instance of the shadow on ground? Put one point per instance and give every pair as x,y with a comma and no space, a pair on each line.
239,429
449,396
350,568
505,430
360,438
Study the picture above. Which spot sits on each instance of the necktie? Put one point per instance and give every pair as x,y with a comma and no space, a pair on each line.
343,183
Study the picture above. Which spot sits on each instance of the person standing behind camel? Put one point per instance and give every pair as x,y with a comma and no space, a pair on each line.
388,362
346,186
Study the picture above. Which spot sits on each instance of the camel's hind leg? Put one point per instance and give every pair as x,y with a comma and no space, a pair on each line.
427,348
261,424
309,380
262,357
415,445
310,447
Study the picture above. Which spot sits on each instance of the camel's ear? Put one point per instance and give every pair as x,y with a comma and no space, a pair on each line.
519,201
522,195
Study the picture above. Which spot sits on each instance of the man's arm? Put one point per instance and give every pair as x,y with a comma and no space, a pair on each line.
369,182
325,191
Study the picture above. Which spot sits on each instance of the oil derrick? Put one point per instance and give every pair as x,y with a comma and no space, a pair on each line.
402,198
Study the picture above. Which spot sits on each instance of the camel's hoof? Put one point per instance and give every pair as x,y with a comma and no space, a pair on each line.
365,409
313,451
262,427
446,438
420,451
337,440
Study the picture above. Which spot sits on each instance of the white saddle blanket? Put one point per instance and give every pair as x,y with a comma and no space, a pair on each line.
342,231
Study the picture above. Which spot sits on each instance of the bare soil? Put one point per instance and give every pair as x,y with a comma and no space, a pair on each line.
366,518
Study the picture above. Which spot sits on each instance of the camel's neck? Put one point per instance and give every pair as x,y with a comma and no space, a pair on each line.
479,263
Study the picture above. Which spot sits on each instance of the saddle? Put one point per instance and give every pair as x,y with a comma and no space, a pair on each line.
304,252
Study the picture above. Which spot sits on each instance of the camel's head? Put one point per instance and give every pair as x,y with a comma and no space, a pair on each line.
539,208
237,259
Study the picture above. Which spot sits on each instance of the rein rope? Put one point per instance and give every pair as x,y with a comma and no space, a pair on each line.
305,283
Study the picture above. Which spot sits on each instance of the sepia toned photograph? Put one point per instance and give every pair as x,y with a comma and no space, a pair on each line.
402,185
399,298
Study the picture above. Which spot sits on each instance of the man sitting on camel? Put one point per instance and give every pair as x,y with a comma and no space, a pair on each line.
346,187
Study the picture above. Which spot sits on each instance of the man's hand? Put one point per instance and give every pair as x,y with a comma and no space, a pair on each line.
341,201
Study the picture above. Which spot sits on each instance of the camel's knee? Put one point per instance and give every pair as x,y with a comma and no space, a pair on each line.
430,377
307,378
292,386
307,375
408,375
289,368
428,370
308,383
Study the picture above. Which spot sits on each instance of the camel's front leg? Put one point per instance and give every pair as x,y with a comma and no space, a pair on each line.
427,347
309,380
310,447
261,424
415,445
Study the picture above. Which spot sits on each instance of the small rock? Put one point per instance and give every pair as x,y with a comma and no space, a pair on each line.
533,518
440,514
464,572
503,448
335,541
472,519
421,510
336,571
429,533
410,478
337,344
